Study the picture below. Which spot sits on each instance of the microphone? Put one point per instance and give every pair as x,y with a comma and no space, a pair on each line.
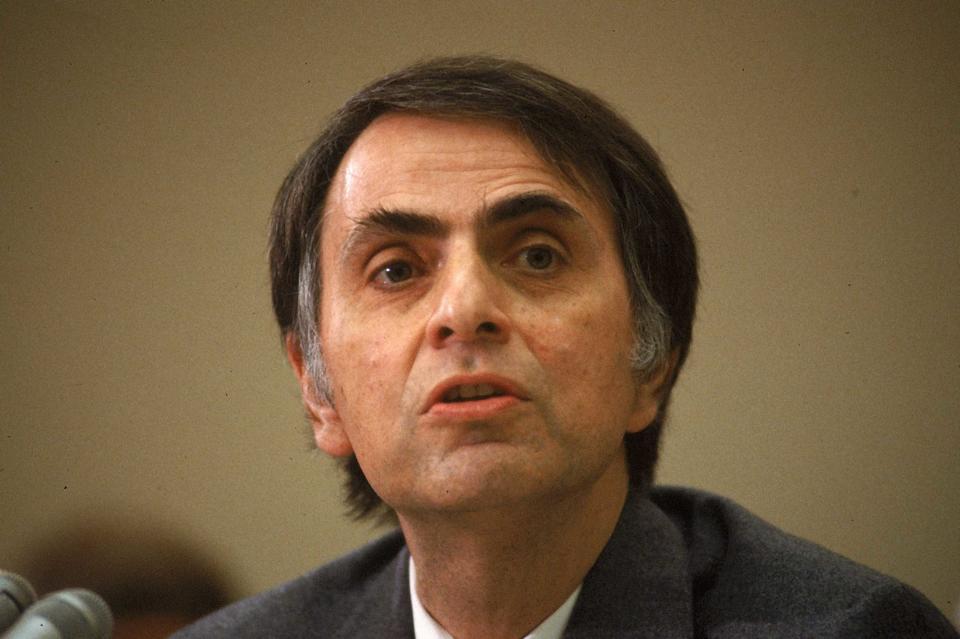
16,595
67,614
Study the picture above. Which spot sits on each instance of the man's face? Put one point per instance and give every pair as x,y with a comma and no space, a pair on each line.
475,321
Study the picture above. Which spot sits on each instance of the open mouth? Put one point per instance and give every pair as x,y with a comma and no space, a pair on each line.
471,392
473,396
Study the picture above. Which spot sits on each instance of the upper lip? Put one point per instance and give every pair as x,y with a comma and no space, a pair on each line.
506,386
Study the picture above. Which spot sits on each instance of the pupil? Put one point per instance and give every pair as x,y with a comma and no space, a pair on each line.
539,257
397,272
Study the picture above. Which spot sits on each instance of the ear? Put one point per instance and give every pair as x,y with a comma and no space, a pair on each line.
649,395
328,431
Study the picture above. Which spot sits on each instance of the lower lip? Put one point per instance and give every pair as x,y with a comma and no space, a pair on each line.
474,409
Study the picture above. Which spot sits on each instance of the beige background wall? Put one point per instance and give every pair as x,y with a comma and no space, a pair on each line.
816,144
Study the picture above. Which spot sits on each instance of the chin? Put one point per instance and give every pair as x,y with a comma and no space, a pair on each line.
496,489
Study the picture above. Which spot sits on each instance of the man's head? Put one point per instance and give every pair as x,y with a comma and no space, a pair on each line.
374,172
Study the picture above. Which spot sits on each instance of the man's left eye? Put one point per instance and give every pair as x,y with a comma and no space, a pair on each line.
539,257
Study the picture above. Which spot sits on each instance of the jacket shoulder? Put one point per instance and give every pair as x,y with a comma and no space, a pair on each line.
314,604
753,579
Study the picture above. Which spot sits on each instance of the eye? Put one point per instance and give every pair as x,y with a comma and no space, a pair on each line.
539,257
396,272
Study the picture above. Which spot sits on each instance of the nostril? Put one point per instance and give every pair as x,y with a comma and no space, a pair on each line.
487,327
484,331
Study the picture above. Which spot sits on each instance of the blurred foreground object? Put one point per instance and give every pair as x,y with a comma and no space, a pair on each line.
68,614
154,581
16,595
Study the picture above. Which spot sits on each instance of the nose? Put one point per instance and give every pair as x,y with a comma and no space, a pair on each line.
468,305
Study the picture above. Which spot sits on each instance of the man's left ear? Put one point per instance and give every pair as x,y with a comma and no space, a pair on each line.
650,394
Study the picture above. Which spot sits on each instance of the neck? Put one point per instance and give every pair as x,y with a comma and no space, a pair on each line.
501,573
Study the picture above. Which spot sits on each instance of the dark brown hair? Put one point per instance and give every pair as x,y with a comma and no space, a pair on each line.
574,131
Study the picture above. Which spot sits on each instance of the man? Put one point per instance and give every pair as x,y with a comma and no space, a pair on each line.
486,287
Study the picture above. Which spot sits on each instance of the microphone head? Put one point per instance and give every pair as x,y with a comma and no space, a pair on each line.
68,614
16,595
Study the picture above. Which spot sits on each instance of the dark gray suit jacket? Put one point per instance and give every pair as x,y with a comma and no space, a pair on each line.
680,563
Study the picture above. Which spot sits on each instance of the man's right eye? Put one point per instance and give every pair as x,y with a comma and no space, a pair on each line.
393,273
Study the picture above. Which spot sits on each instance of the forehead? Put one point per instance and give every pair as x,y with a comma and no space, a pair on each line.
441,166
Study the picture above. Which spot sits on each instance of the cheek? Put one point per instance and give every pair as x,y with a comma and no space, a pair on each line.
583,353
369,361
583,323
365,365
581,343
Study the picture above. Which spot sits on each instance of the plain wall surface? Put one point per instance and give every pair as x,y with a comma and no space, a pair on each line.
816,145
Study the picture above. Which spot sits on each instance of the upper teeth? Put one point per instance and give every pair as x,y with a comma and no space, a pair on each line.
470,391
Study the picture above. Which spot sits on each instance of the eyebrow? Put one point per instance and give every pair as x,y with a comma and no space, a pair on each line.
386,222
524,204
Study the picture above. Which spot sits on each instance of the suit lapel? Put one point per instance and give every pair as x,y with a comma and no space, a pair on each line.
639,586
384,609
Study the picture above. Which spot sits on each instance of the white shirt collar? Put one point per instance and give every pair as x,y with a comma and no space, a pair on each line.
426,627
